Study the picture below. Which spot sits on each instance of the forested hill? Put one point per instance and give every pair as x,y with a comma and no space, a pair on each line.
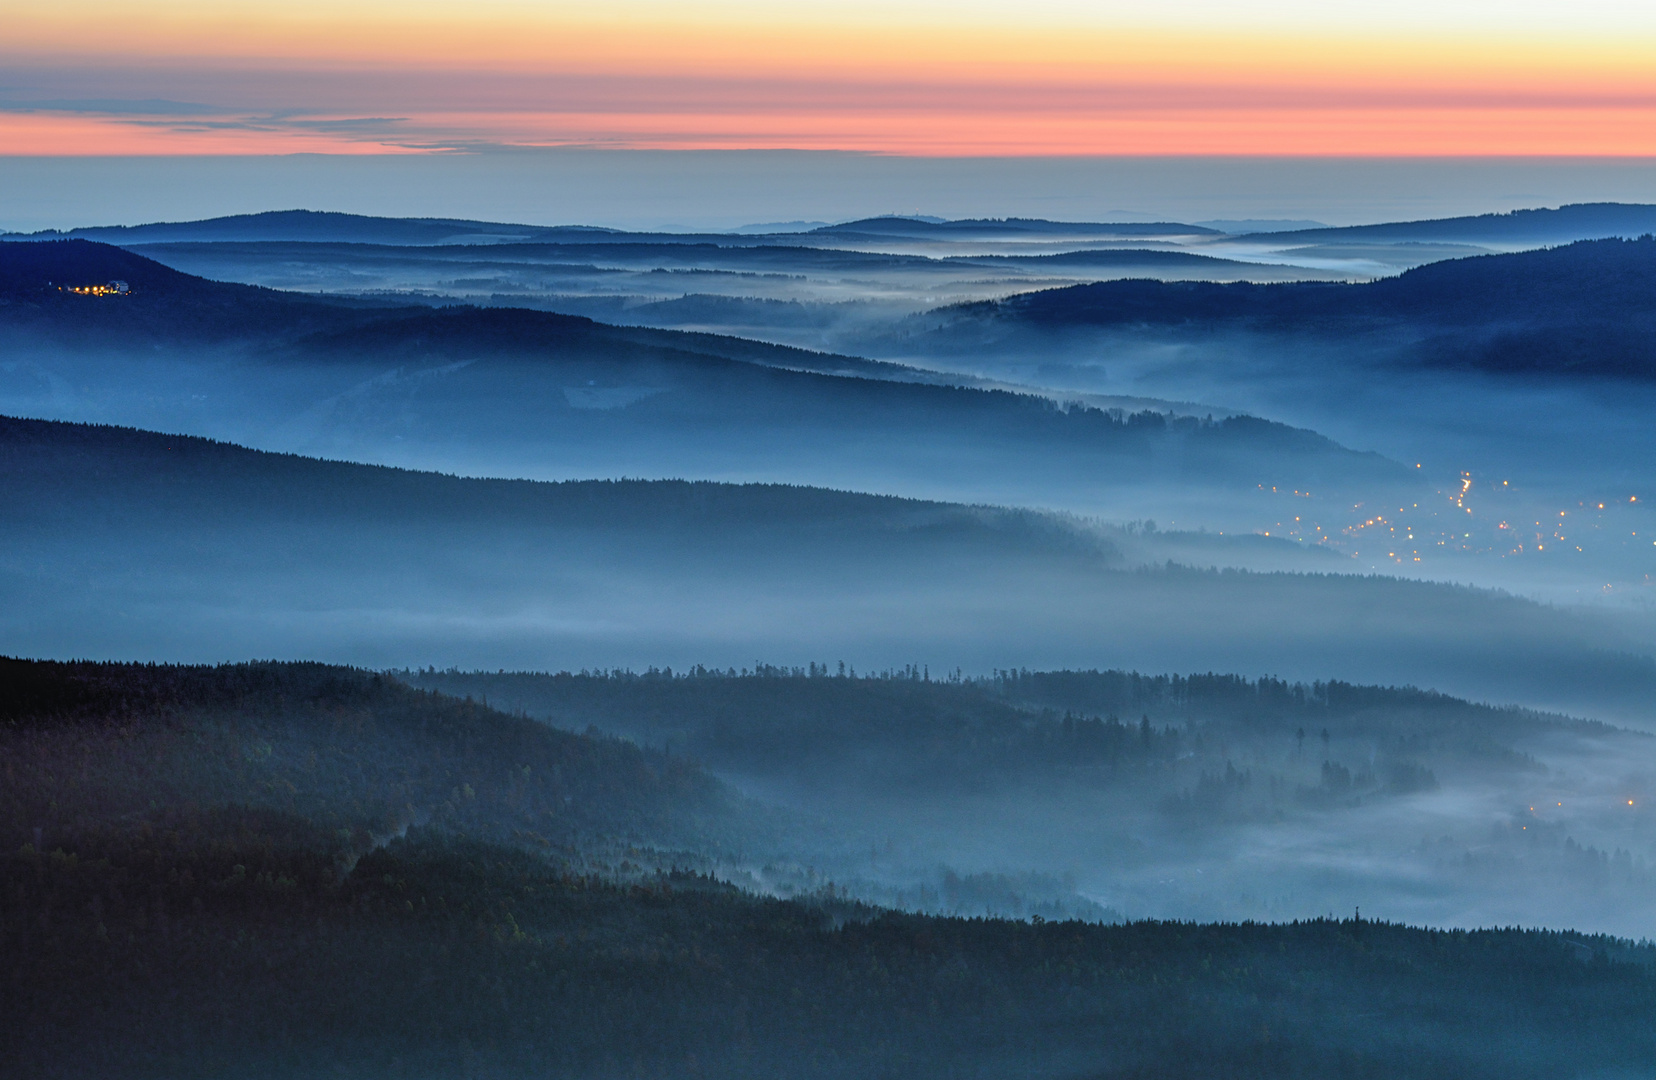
172,309
1588,307
1589,280
94,752
905,731
297,870
164,307
311,225
56,472
1563,225
142,544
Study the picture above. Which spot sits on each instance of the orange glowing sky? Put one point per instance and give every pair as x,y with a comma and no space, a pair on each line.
968,77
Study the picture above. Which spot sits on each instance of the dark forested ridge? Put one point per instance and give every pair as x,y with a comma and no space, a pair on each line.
1199,795
1586,307
1563,225
164,307
198,880
905,731
93,747
1589,280
57,472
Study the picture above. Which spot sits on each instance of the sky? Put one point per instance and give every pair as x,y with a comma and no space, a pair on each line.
965,78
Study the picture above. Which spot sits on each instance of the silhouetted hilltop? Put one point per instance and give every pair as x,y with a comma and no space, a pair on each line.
161,306
1588,280
334,227
36,271
1576,221
343,748
317,225
1588,307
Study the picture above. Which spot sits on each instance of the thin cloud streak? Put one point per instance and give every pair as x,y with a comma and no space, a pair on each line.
279,92
1331,132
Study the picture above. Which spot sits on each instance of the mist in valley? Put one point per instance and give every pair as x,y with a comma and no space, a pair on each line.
1115,795
758,649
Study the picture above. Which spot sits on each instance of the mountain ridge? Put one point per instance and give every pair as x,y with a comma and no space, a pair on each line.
1588,307
571,385
1566,223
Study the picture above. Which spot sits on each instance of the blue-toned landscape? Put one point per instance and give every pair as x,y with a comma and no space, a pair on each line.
905,646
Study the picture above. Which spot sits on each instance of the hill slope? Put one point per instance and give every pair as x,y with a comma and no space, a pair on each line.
516,392
152,929
1586,308
126,543
352,753
1566,224
319,225
1200,796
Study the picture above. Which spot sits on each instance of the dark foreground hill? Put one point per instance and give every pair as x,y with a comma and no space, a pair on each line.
90,748
1201,796
163,924
1587,308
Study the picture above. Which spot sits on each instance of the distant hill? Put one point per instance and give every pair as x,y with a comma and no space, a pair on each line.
163,307
320,226
54,465
1580,221
1576,221
334,227
167,307
908,736
1587,308
519,389
312,225
1261,225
